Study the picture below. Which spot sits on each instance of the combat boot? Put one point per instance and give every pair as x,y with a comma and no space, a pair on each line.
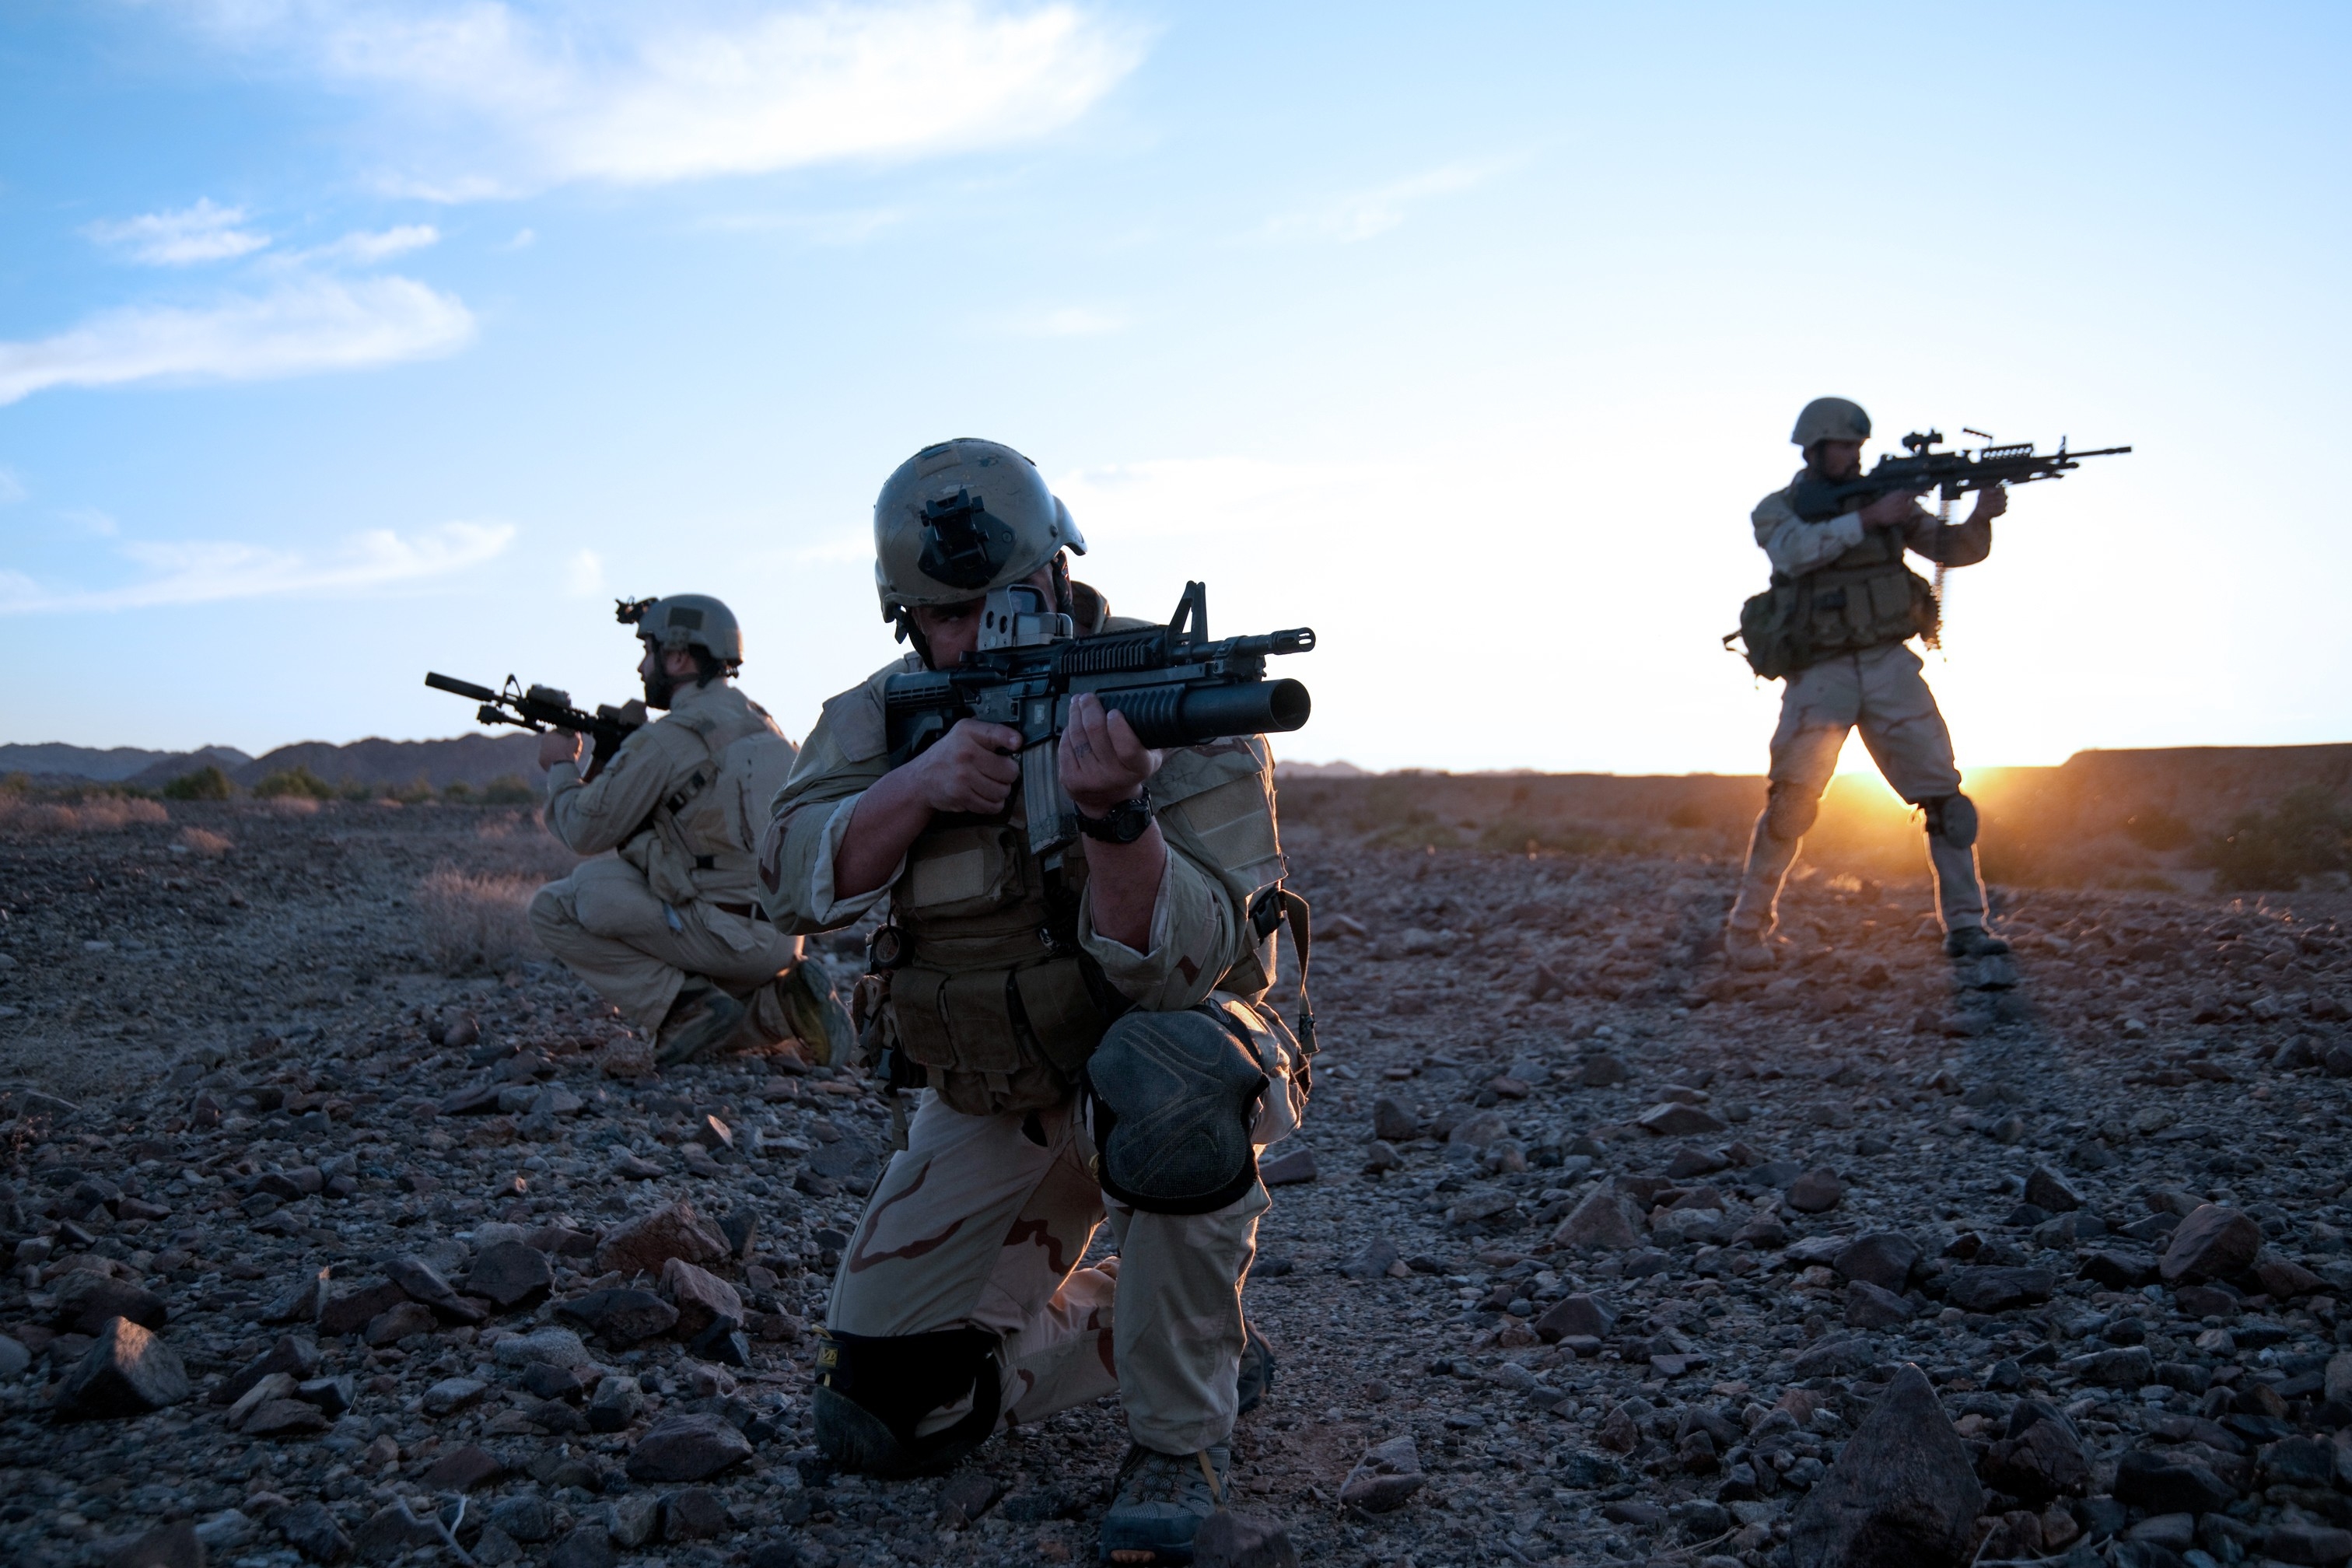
1972,942
1159,1503
701,1017
1749,951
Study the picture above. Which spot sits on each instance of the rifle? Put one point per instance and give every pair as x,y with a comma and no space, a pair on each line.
540,708
1175,685
1818,501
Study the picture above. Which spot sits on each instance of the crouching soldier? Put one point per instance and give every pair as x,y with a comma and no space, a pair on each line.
1088,1024
666,927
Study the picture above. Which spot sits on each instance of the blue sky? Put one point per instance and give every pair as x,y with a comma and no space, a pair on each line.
341,342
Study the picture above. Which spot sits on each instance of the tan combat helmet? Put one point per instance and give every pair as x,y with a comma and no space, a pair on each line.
683,621
960,518
1830,419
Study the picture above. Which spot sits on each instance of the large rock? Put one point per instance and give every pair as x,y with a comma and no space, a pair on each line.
351,1310
2041,1458
2163,1483
1883,1258
174,1545
296,1357
686,1448
1988,1288
1380,1255
1815,1191
700,1297
1575,1317
1606,1218
394,1530
1869,1306
313,1532
2213,1243
623,1316
1239,1541
2046,1189
511,1275
1384,1477
127,1372
1672,1118
1393,1122
423,1284
645,1244
86,1300
1902,1491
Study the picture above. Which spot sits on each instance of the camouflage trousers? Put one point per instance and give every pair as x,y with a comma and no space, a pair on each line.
637,953
983,1220
1881,692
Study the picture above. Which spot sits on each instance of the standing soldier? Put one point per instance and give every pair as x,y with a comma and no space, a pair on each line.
1859,606
668,929
1044,1001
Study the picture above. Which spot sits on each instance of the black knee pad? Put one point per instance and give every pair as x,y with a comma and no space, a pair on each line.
1790,810
872,1390
1953,819
1171,1097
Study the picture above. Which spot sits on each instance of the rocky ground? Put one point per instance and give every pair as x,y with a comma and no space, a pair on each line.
1590,1251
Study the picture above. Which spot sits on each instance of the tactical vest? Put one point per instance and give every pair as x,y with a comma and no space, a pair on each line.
700,841
1865,598
989,992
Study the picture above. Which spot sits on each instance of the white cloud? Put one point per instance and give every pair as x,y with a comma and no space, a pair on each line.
583,575
89,519
182,238
1364,214
312,324
1179,497
643,95
207,571
523,240
362,248
1068,321
12,489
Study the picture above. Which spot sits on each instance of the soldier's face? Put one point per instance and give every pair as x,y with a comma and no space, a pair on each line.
953,630
1837,460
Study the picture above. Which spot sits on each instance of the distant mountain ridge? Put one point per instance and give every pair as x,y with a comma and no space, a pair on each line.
474,759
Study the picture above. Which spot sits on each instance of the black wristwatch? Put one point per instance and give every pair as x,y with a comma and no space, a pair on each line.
1122,824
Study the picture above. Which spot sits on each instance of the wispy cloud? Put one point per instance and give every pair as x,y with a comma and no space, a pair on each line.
644,95
364,248
583,575
184,239
205,572
89,519
1183,495
1065,321
311,324
12,489
1361,214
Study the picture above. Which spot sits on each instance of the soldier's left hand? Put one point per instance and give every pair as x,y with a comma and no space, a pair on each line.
558,746
1991,502
1102,761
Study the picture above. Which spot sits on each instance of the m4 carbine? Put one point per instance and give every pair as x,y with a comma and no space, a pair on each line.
1818,501
542,708
1175,687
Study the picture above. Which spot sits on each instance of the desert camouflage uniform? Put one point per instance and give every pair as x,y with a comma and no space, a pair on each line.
1878,689
670,893
983,1219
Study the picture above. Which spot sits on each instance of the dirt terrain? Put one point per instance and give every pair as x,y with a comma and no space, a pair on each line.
1611,1254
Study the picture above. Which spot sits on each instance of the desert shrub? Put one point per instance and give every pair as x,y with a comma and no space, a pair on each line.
288,782
207,782
1689,814
1519,836
458,793
92,814
200,842
2308,834
2153,827
475,922
509,790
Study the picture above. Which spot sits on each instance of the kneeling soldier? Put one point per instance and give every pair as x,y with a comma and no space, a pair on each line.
667,929
1088,1025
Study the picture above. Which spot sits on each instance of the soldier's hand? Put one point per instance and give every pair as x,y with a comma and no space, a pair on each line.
558,746
972,768
1102,761
1893,510
1991,502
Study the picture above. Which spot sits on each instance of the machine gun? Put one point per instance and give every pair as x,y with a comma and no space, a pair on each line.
540,708
1175,685
1952,473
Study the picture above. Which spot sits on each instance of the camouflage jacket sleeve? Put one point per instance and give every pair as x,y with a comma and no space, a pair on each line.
591,818
1953,544
1215,805
842,757
1795,546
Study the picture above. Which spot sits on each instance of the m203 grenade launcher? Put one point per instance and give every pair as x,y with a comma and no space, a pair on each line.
1175,687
